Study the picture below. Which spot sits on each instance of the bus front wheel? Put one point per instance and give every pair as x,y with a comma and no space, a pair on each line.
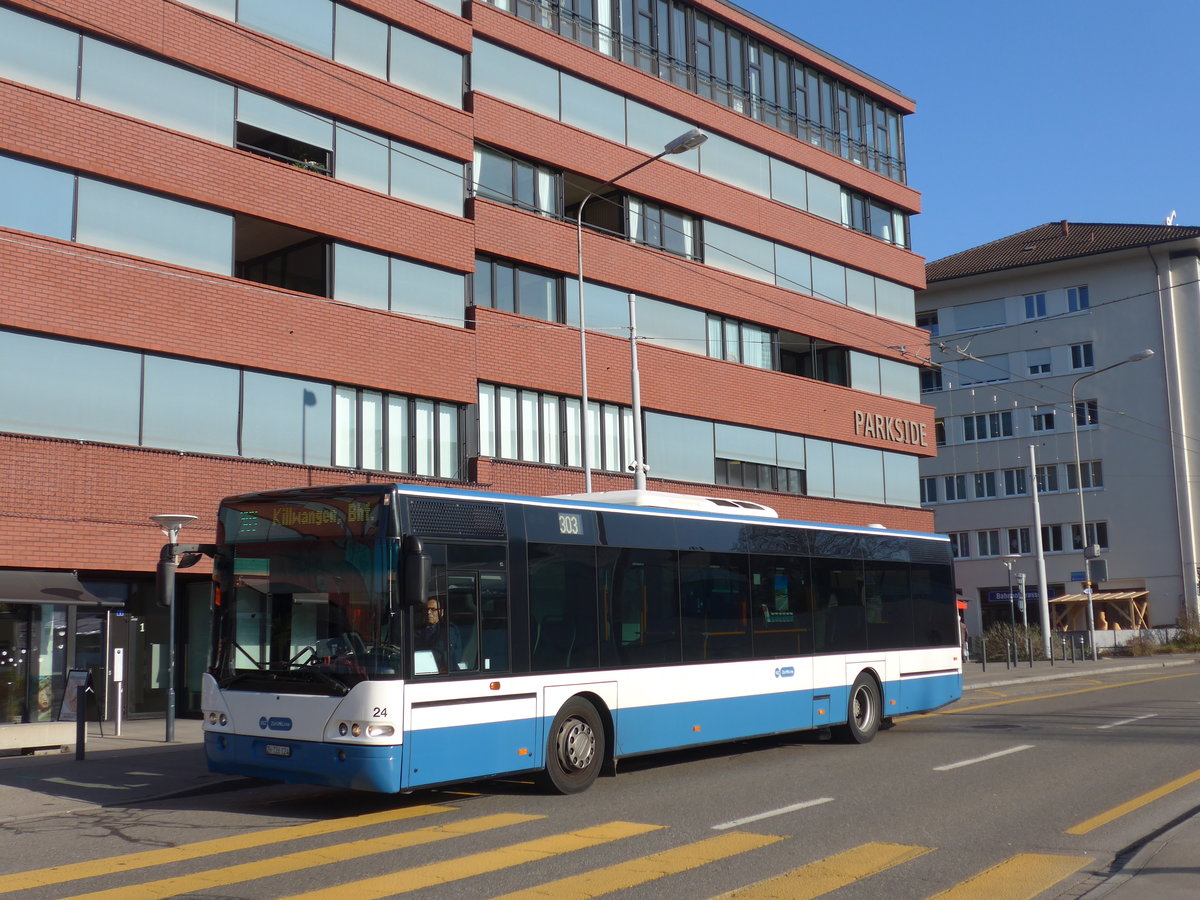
575,750
863,714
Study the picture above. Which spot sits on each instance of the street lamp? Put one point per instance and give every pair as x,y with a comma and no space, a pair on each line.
170,525
689,140
1009,561
1083,542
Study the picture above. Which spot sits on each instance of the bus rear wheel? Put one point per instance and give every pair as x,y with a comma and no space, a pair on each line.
575,750
863,713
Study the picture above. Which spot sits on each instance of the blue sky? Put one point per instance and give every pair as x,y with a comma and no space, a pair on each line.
1028,111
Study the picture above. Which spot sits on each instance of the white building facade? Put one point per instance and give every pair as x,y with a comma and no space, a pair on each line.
1050,411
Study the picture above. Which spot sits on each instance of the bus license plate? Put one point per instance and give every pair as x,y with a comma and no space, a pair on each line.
278,750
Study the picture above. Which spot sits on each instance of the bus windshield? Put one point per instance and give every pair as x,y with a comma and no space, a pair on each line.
310,614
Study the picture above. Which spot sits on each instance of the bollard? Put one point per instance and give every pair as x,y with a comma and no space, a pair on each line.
80,721
1029,649
983,651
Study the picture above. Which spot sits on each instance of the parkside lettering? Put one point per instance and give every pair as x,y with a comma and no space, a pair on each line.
890,428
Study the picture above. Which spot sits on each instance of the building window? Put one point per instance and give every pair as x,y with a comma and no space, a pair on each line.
1047,479
985,485
760,477
1087,412
1097,533
662,227
1038,361
520,289
513,181
1077,298
988,542
737,341
393,433
1093,476
1035,306
956,487
1014,483
1018,540
987,426
544,428
929,491
1043,421
960,544
929,321
1052,538
1081,356
939,432
931,380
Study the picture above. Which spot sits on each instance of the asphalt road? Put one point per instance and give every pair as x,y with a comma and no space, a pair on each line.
1018,791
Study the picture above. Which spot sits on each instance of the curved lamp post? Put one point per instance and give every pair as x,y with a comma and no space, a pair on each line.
1083,542
689,140
171,525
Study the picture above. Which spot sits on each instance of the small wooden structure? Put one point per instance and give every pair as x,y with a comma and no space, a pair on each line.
1115,610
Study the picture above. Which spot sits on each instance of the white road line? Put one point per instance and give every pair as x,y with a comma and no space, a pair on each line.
775,812
1127,721
971,762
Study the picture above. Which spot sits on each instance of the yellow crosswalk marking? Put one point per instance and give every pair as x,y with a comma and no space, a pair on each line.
1019,878
305,859
478,864
74,871
649,868
1136,803
823,876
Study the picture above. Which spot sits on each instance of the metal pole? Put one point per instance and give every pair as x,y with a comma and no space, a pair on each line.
1083,542
1043,589
171,668
639,463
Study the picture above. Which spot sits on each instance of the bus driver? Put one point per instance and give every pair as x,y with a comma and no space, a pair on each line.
438,637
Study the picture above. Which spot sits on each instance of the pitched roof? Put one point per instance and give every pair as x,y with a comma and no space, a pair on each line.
1050,242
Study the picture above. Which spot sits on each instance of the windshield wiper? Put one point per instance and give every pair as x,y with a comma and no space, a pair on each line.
310,674
323,677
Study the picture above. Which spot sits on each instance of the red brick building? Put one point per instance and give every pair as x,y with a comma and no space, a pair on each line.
250,245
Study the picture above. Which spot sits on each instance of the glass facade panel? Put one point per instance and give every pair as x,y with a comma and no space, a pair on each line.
789,451
287,419
858,473
143,224
427,179
650,130
746,444
824,198
680,448
360,276
428,293
306,23
426,67
864,372
156,92
515,78
793,269
360,41
398,442
594,109
735,164
37,53
860,290
36,198
789,184
819,456
551,431
280,118
64,389
899,380
670,325
371,427
739,252
345,436
361,158
190,406
426,424
829,280
447,437
895,301
901,479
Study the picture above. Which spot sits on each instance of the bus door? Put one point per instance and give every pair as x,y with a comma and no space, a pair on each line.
463,728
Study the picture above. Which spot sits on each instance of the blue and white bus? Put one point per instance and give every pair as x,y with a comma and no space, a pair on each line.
390,637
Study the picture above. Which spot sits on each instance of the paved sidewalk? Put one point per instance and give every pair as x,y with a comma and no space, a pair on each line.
139,766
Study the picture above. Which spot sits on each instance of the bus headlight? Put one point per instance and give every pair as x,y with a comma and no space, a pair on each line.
342,729
380,731
356,729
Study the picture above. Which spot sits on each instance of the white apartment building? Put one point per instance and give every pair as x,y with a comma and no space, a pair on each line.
1016,326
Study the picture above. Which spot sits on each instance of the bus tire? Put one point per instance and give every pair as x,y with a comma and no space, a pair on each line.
575,749
863,711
